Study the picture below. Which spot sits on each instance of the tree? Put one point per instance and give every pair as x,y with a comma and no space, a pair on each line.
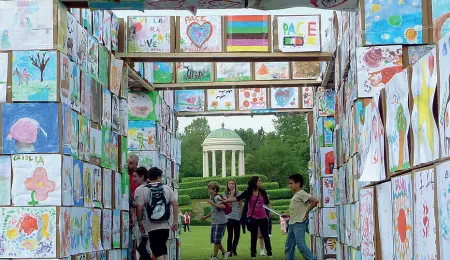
191,148
40,63
252,140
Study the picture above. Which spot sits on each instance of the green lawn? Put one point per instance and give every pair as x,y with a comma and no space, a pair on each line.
195,245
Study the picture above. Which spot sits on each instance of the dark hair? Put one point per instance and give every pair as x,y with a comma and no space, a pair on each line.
154,173
297,178
253,183
214,186
142,172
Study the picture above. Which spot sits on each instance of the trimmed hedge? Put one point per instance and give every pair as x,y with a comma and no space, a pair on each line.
184,200
188,182
280,194
202,192
282,202
280,208
187,209
206,210
198,222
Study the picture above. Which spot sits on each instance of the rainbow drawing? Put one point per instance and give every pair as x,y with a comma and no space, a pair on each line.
247,33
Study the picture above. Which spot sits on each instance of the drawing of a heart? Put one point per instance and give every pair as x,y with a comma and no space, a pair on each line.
199,34
283,96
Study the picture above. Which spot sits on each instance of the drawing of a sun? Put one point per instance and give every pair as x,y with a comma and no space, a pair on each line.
403,243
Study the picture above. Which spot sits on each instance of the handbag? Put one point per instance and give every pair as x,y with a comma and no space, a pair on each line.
249,219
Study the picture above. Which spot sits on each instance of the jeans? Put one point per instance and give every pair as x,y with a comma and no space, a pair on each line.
296,237
142,249
130,245
187,226
234,233
263,225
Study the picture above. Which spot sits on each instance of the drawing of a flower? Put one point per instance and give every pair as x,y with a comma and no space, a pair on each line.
29,225
39,185
24,131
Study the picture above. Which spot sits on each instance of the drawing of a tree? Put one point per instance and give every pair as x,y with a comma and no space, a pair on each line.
40,63
401,128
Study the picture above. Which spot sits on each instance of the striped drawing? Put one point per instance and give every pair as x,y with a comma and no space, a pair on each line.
247,33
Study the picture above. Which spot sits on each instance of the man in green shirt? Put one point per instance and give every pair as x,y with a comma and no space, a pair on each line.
301,204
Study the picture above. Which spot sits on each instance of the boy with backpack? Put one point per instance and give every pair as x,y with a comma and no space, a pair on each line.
157,200
219,220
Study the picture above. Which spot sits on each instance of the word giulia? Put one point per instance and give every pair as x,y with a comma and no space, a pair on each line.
37,158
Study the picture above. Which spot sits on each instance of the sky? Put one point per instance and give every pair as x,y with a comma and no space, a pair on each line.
233,122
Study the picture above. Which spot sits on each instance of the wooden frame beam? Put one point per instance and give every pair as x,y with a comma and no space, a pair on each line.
327,75
245,113
137,83
225,57
238,84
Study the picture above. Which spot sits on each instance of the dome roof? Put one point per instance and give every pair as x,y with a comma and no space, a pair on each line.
223,139
223,133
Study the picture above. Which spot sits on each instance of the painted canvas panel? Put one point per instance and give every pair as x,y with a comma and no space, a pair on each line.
115,112
85,94
70,131
247,33
221,99
114,151
252,98
30,128
149,34
148,159
190,100
65,244
76,215
233,71
397,127
97,27
34,77
142,135
163,72
96,230
75,86
125,196
123,155
88,178
376,67
78,187
27,25
200,33
271,70
83,138
367,201
107,193
440,16
385,224
327,192
67,181
82,46
326,159
307,97
72,35
95,142
424,217
392,22
416,52
107,229
325,131
443,204
115,75
106,116
93,56
116,229
330,246
117,194
106,147
299,33
4,71
62,23
106,29
103,65
284,97
123,116
28,232
305,70
115,32
425,131
5,180
143,105
86,230
402,214
444,95
96,102
325,101
86,18
329,222
124,229
194,72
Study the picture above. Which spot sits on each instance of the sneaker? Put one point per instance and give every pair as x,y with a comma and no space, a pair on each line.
214,258
262,253
226,255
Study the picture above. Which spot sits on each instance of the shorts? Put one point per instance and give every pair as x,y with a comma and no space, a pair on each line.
217,233
158,241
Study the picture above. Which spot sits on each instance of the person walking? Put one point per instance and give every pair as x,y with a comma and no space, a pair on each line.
257,217
133,161
140,178
187,222
233,224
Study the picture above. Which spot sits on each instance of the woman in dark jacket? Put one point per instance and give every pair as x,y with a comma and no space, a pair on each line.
257,217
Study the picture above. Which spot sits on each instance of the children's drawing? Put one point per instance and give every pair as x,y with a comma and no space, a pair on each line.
325,131
440,16
116,229
125,188
233,71
107,192
416,52
114,151
148,72
252,98
96,102
27,25
148,159
307,97
284,97
106,117
62,23
86,83
106,147
325,101
376,67
395,22
30,128
327,192
425,131
305,70
444,95
86,230
149,34
326,159
163,72
96,230
107,221
330,246
93,56
34,77
83,138
95,142
443,204
82,46
385,225
271,70
67,180
329,222
4,71
70,130
142,136
397,127
123,154
115,32
367,202
142,105
75,86
88,187
221,99
123,116
76,216
65,244
5,180
115,117
72,37
424,217
86,18
200,33
194,72
97,27
106,29
190,100
247,33
78,187
125,228
299,33
28,232
402,211
103,65
65,79
115,75
117,195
